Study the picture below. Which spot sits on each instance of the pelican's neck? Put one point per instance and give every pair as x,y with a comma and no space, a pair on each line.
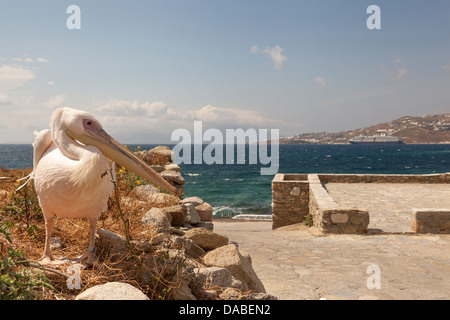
68,147
87,175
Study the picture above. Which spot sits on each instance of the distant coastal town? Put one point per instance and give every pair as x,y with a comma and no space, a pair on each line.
413,130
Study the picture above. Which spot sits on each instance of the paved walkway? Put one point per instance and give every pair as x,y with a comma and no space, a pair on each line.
390,204
294,264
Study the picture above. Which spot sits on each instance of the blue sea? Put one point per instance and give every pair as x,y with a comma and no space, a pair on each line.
241,189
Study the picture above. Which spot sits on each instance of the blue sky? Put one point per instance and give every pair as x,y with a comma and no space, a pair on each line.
145,68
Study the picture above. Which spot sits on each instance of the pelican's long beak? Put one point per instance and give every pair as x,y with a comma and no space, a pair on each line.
122,156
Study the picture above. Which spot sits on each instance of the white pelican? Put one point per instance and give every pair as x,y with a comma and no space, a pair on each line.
70,170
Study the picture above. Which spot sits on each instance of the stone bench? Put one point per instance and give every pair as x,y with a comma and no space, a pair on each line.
430,220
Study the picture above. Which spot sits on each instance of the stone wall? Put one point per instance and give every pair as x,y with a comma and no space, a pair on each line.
385,178
329,216
296,195
290,198
430,220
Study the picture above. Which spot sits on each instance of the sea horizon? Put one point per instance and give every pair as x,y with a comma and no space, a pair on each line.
240,188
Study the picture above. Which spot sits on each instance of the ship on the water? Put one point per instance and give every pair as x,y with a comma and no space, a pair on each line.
382,138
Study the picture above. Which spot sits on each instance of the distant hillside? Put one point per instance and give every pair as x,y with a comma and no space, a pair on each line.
424,129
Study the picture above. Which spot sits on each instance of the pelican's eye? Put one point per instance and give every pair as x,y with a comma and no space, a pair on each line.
90,124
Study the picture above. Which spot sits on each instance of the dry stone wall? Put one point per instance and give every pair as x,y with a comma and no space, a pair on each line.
290,198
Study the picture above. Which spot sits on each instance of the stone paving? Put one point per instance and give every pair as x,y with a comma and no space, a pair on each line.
293,263
390,204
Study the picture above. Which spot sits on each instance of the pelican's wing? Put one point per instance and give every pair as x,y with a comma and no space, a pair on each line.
41,143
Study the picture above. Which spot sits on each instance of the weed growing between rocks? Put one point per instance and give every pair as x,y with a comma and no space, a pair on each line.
22,235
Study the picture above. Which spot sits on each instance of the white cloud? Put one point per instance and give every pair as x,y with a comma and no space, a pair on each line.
13,76
55,102
5,99
446,67
401,72
127,117
396,70
132,108
321,81
50,83
274,53
232,118
254,49
42,60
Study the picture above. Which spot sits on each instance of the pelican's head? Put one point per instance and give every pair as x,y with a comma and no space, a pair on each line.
83,127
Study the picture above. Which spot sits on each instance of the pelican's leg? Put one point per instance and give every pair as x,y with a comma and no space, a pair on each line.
89,257
48,233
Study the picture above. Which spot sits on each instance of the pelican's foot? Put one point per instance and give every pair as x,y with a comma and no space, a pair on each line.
89,258
46,258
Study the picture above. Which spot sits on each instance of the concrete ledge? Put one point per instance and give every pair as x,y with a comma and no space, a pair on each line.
430,220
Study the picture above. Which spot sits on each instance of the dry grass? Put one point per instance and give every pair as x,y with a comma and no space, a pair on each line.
161,275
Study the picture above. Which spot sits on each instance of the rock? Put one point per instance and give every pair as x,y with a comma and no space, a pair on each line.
172,167
183,292
205,211
156,217
158,169
259,296
174,177
195,251
214,276
160,155
178,214
114,243
142,192
55,243
240,267
205,224
206,239
161,199
230,294
196,201
112,291
192,216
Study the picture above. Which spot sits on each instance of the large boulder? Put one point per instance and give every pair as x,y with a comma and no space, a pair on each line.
206,239
178,214
192,216
173,177
240,267
156,217
205,211
112,291
144,191
196,201
214,276
112,242
160,155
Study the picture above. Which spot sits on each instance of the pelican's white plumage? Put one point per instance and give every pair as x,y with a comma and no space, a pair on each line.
71,163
